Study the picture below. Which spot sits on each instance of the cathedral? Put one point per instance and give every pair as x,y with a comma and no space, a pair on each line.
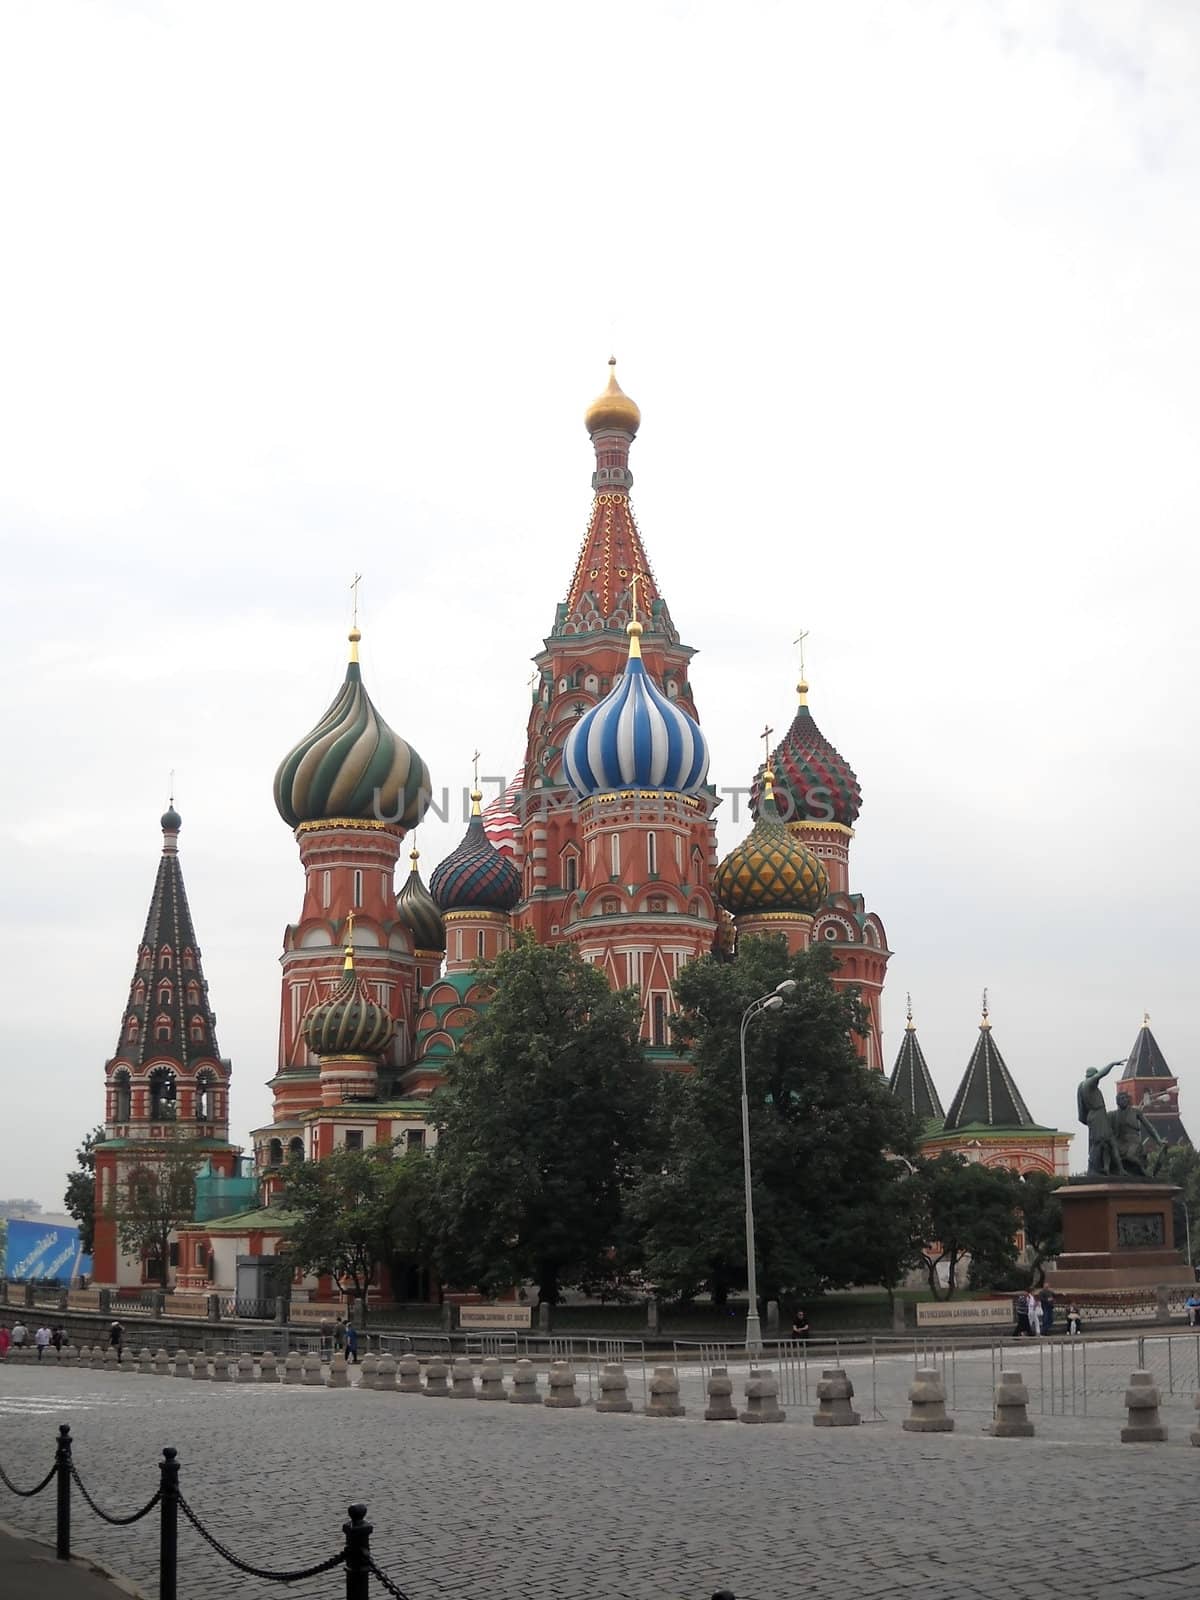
605,840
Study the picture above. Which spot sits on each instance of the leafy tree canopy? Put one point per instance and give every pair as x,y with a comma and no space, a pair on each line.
1041,1215
157,1199
966,1209
80,1196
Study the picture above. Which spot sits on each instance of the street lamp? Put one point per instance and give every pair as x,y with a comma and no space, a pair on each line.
765,1002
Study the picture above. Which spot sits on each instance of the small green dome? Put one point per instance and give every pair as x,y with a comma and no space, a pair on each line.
418,911
350,1022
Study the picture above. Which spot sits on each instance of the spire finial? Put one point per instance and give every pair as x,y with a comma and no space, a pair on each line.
1145,1019
355,635
768,783
349,966
634,627
910,1025
802,685
414,855
171,788
984,1023
765,736
476,791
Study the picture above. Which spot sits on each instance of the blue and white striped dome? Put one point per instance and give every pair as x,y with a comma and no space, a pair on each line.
635,738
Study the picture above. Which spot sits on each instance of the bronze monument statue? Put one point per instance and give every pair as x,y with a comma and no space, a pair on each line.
1131,1127
1104,1158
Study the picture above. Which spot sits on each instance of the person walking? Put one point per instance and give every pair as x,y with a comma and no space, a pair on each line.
5,1341
116,1335
56,1337
41,1339
1047,1301
1020,1315
351,1342
20,1333
1033,1307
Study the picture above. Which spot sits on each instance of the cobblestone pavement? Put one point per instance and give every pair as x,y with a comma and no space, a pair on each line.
501,1502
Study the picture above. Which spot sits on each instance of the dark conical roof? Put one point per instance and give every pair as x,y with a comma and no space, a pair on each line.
168,997
1146,1060
418,911
987,1095
910,1081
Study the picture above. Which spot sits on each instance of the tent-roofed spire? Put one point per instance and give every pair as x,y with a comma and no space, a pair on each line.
987,1095
911,1082
1146,1060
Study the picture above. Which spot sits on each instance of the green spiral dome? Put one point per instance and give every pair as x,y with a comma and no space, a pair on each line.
349,1023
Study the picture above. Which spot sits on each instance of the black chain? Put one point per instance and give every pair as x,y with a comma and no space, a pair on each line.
27,1494
258,1572
117,1522
392,1588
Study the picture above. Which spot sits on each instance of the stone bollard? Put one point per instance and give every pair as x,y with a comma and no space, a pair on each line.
200,1365
220,1371
762,1398
437,1386
385,1373
561,1392
162,1367
614,1390
408,1375
293,1367
112,1359
834,1394
339,1375
491,1381
51,1354
664,1394
180,1367
720,1407
268,1367
524,1391
1194,1436
369,1367
84,1358
1141,1399
69,1355
1010,1419
927,1404
99,1354
462,1377
244,1371
310,1368
145,1362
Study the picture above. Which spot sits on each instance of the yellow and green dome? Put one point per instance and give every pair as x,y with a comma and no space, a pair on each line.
771,870
350,1022
352,765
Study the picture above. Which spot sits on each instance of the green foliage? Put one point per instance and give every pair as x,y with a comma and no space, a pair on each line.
158,1199
545,1119
1041,1214
966,1209
354,1211
1180,1164
830,1207
80,1196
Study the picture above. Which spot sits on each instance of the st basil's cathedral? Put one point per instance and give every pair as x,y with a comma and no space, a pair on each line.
605,840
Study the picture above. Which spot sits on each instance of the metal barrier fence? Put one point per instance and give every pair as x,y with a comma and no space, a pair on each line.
587,1354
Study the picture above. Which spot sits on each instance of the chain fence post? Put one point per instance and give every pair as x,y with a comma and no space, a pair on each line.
168,1534
358,1554
62,1467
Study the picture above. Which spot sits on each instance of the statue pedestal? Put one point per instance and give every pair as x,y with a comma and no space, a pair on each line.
1117,1234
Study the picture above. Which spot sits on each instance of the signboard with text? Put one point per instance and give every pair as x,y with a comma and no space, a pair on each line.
38,1252
964,1313
476,1318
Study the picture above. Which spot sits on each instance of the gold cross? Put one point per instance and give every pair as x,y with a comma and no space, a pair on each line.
985,1011
354,596
765,736
350,926
171,796
638,577
475,763
800,644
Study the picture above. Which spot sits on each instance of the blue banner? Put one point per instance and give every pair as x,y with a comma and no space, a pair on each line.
41,1252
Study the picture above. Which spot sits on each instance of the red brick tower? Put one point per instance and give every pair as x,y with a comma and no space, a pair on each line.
167,1081
1151,1084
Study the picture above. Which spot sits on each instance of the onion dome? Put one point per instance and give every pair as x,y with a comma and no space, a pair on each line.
475,876
352,765
417,910
171,821
771,870
613,408
635,738
814,783
349,1023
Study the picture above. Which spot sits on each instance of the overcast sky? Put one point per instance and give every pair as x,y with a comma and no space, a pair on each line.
907,295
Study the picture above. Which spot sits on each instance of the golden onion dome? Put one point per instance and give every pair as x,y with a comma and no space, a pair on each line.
613,408
771,870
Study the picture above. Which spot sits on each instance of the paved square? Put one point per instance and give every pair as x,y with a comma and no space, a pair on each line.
500,1502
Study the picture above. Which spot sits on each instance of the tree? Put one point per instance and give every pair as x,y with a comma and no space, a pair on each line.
80,1198
966,1210
1041,1214
542,1125
157,1199
355,1211
1180,1164
830,1204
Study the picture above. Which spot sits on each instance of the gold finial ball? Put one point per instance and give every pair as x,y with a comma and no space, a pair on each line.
414,855
613,408
354,635
634,629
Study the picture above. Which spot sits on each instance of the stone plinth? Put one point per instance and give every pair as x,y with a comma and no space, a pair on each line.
1117,1234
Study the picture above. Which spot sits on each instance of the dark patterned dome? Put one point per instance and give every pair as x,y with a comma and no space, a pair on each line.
771,870
813,782
418,911
352,765
475,876
349,1023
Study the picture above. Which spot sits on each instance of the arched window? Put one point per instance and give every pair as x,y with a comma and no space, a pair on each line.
196,1030
162,1028
205,1098
480,952
357,886
121,1097
193,993
165,993
189,959
139,993
131,1031
275,1153
658,1020
165,960
570,878
615,854
163,1102
296,1149
325,882
144,959
652,854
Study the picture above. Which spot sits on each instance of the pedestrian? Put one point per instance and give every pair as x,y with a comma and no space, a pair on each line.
5,1341
351,1342
1074,1320
327,1334
1048,1305
800,1327
1020,1315
1033,1307
56,1337
1192,1305
115,1335
20,1333
42,1338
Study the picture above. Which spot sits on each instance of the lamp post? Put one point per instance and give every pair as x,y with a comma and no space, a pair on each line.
765,1002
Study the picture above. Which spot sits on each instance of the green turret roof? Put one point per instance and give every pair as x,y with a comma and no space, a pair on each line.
911,1083
987,1095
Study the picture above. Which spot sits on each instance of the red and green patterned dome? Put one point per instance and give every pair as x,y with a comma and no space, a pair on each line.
813,782
771,870
475,876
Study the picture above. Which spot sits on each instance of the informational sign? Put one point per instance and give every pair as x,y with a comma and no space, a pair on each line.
316,1311
37,1252
964,1313
494,1317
